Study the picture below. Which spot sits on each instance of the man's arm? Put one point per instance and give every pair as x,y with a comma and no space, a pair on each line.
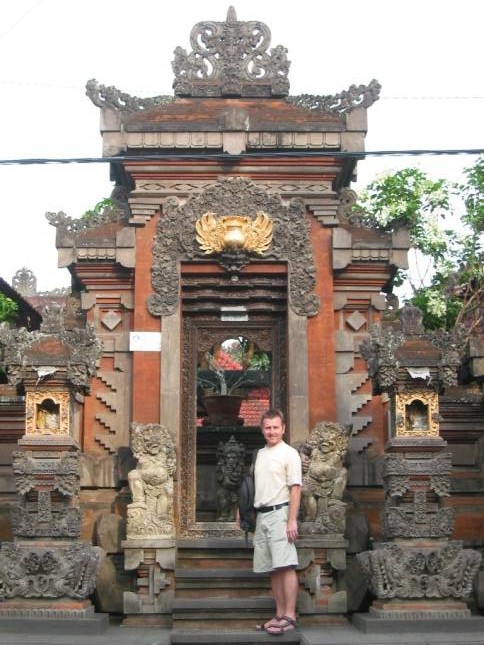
294,500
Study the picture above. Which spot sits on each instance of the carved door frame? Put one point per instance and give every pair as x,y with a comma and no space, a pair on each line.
199,334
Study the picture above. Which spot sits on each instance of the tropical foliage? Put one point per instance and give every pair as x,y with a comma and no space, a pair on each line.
446,224
8,309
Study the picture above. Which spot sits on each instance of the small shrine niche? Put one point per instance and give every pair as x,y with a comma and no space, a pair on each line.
416,414
47,413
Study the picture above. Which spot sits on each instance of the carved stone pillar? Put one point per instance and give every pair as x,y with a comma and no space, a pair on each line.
47,572
417,571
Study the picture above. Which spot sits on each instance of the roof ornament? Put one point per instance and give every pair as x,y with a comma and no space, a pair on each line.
231,58
346,101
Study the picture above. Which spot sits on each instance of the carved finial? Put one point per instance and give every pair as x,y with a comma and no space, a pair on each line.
25,282
231,58
411,318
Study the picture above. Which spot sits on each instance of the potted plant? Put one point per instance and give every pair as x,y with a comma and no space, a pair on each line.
233,365
220,400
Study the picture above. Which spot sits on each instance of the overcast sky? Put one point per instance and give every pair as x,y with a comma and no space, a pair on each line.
427,54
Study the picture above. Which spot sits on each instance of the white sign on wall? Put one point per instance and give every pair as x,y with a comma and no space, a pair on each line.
145,341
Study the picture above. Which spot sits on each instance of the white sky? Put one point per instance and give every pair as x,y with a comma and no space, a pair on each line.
50,48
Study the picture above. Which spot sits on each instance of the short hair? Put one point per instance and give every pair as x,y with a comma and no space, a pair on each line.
273,413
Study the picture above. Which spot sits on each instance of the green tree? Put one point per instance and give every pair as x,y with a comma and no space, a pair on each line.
449,289
93,214
8,309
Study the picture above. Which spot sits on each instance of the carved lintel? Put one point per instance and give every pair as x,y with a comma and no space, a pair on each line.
176,240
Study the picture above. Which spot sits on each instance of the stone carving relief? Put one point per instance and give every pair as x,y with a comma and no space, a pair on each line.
324,479
230,466
74,350
355,96
395,572
176,239
110,97
39,572
385,352
38,513
379,352
231,58
151,483
25,282
408,484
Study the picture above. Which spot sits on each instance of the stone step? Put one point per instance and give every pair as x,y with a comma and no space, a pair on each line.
214,613
243,637
218,582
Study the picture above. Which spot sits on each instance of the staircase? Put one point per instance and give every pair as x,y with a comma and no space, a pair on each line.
218,599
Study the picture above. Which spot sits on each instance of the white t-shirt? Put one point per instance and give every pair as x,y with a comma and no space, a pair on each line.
277,468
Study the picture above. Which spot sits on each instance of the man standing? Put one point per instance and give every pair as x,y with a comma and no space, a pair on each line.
278,481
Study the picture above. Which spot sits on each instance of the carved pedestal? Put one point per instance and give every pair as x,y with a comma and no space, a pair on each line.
419,573
46,572
153,561
322,591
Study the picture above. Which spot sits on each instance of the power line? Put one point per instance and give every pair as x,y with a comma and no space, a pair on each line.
249,155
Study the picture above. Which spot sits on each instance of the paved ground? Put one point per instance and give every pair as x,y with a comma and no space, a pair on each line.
116,634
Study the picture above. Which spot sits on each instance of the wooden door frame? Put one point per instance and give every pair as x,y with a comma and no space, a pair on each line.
199,333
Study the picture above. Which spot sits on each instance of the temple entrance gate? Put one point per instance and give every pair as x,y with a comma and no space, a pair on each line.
234,344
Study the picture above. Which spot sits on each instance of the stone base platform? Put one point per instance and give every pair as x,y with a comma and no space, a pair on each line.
17,616
371,624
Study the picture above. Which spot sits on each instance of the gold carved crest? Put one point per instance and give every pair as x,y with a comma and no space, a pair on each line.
234,233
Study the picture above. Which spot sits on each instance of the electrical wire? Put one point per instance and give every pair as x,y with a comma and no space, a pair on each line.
250,155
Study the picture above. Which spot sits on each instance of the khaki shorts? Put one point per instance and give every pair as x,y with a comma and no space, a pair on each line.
272,550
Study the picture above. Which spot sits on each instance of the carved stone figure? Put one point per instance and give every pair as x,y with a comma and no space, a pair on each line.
151,482
324,479
230,465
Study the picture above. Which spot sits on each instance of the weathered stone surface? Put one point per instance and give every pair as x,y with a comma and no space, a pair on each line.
445,571
48,572
151,512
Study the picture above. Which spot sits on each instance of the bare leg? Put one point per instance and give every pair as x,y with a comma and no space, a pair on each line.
284,584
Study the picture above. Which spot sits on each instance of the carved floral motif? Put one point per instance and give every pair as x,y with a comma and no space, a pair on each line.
43,572
231,58
176,240
355,96
445,572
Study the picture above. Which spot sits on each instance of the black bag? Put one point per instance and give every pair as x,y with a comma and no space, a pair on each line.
247,513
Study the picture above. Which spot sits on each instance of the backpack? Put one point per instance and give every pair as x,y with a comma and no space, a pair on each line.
247,513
